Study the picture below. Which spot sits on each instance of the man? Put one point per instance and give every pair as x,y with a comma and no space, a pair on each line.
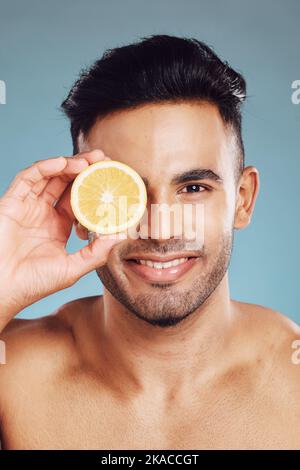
165,359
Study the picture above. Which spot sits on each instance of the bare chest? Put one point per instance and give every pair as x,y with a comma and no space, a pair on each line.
87,421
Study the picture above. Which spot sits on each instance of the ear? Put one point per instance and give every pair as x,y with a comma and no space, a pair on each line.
81,231
247,192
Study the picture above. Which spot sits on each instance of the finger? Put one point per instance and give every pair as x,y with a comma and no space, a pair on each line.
92,256
31,181
81,231
63,205
114,236
69,173
40,173
54,188
56,185
50,190
27,178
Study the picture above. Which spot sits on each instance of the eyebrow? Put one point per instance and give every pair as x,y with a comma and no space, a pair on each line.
196,174
190,175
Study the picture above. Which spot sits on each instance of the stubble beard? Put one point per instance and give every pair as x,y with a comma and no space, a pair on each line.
168,305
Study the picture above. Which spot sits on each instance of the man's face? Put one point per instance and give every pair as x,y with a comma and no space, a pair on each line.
163,142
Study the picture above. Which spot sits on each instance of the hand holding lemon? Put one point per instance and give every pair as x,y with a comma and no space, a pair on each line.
36,220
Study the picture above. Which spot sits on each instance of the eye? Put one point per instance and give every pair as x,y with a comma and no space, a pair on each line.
193,188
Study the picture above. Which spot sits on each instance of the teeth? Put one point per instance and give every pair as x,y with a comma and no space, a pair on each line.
167,264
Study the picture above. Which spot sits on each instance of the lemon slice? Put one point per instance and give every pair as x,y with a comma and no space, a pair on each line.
108,197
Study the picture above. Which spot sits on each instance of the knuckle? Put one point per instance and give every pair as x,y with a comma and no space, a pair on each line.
79,155
25,170
20,175
23,174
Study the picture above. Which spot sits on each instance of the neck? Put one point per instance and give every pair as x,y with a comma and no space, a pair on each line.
141,356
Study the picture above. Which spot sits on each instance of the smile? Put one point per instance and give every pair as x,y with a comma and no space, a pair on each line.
155,271
163,265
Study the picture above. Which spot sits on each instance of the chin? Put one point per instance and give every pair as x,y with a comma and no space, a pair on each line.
162,322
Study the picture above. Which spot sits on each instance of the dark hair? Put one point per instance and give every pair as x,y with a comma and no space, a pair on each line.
158,68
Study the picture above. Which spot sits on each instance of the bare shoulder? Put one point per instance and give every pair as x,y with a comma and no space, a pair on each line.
276,339
41,349
271,323
43,338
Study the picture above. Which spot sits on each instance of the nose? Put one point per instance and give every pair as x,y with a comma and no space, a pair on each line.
166,217
161,219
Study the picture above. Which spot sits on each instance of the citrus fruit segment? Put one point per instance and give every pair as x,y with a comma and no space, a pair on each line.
108,197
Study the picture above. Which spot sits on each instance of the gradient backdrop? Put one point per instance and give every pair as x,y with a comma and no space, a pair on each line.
44,45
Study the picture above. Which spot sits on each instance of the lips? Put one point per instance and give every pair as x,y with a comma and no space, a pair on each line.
157,269
161,264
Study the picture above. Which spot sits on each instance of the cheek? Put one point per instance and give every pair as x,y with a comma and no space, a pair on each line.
115,266
218,219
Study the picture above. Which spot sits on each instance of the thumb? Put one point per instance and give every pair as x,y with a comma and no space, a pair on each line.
93,255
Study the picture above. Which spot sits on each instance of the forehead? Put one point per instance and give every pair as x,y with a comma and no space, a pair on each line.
165,138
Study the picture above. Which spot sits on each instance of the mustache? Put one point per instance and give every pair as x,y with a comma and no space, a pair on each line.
159,247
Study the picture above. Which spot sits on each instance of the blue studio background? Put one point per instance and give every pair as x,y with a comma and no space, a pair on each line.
44,45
